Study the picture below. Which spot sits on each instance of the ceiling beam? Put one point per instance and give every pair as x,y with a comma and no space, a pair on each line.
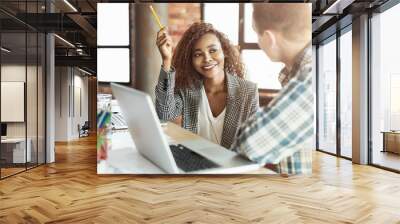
85,61
337,7
320,22
86,26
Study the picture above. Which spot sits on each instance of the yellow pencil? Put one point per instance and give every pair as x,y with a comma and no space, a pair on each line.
156,17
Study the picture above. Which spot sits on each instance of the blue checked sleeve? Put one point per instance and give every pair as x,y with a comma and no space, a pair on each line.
278,130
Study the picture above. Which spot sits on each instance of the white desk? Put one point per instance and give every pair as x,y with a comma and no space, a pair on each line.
18,150
123,158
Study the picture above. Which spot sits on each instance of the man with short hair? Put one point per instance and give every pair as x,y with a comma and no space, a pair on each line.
280,134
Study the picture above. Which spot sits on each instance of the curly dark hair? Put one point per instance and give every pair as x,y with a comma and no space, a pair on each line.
186,75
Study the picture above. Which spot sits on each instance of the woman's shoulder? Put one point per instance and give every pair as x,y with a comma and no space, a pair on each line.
189,91
243,83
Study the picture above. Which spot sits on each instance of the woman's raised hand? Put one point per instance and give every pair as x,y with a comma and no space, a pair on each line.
164,44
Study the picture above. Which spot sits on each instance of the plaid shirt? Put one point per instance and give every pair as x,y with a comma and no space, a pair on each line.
281,133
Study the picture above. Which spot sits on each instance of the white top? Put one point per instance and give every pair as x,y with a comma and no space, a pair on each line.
210,127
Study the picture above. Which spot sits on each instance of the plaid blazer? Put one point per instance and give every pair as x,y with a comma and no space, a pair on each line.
281,132
242,102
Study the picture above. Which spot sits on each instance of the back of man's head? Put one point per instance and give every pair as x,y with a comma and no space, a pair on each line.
292,20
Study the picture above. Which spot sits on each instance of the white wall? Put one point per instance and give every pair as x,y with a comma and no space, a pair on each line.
61,103
12,73
80,110
71,102
34,124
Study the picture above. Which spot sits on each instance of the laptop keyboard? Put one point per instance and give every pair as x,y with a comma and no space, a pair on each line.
188,160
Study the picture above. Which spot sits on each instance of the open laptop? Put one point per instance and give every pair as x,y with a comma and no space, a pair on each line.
199,156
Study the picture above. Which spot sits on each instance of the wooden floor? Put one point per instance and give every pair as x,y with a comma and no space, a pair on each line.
70,191
5,172
10,171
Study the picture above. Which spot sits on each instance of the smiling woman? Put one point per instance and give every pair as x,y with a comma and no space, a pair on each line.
203,81
208,57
